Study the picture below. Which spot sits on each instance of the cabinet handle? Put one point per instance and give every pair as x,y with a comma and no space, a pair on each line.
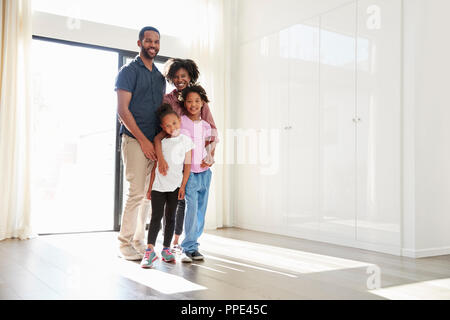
288,128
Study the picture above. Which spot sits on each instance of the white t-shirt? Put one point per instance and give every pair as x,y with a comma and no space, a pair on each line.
174,151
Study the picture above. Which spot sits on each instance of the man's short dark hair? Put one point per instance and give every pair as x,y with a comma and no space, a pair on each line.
148,28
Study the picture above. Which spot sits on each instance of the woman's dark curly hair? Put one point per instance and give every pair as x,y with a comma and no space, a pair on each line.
195,88
164,110
175,64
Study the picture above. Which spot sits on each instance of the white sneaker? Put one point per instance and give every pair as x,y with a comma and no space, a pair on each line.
186,257
139,246
128,253
176,249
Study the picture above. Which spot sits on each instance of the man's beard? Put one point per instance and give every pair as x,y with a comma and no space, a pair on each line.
146,55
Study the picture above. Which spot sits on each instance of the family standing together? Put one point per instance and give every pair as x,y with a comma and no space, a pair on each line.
168,144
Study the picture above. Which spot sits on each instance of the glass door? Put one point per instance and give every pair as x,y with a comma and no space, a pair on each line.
73,167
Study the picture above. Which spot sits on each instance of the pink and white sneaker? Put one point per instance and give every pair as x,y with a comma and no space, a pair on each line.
149,257
167,256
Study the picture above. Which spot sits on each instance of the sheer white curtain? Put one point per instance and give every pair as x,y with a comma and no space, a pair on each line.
208,41
15,124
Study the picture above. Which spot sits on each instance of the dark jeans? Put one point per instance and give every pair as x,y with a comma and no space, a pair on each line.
159,200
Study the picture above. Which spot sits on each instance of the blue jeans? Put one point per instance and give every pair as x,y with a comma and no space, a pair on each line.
197,190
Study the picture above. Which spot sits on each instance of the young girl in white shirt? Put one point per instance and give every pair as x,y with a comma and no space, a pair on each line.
166,190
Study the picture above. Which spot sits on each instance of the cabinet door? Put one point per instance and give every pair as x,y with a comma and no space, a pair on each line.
243,139
273,109
303,128
337,129
379,131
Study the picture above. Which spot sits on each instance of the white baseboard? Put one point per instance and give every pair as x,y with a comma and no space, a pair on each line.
310,235
424,253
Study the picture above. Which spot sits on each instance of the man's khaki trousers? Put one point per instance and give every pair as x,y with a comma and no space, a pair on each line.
137,173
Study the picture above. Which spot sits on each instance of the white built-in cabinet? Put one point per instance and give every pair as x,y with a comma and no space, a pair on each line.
320,103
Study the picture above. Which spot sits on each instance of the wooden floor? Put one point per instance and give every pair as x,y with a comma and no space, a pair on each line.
239,265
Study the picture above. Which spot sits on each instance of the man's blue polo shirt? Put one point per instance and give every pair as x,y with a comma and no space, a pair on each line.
147,88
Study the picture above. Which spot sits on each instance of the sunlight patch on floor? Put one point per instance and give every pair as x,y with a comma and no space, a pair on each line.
155,279
227,267
425,290
207,268
85,246
276,257
249,266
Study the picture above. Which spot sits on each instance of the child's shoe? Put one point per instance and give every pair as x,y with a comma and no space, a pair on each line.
167,256
186,257
149,257
176,249
197,256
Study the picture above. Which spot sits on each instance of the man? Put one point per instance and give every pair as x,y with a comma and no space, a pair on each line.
140,88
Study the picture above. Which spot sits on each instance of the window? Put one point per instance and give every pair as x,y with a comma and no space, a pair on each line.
74,137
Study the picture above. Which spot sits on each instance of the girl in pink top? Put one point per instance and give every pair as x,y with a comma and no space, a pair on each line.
197,187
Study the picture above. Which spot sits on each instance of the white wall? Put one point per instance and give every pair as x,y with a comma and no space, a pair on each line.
258,18
427,118
64,28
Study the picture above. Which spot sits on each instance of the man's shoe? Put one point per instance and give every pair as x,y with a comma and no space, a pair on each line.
128,253
139,246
